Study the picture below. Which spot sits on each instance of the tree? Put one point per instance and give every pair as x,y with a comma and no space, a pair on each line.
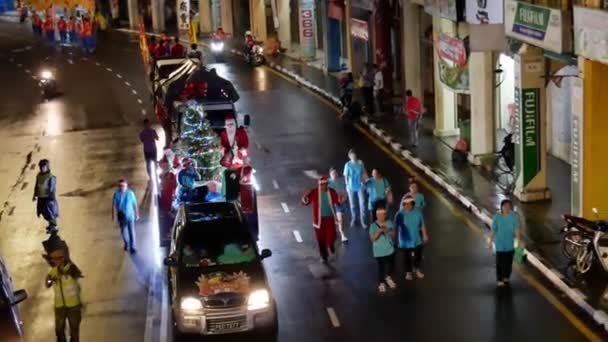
200,142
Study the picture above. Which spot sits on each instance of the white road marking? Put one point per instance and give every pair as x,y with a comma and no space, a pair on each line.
275,184
33,77
127,84
140,101
27,71
118,75
109,69
19,65
85,59
143,112
285,207
314,174
97,63
296,234
152,309
333,317
134,91
257,144
70,61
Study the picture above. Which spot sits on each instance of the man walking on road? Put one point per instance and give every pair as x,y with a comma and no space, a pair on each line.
324,201
63,277
44,194
413,112
148,138
353,172
124,208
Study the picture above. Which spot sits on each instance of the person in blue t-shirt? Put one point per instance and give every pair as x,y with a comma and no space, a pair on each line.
412,235
419,201
382,234
124,208
353,174
505,228
379,193
337,183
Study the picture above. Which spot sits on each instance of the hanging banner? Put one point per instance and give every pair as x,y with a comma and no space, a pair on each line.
484,11
449,9
528,110
183,16
143,45
114,9
308,48
453,63
576,156
541,26
193,33
591,33
359,29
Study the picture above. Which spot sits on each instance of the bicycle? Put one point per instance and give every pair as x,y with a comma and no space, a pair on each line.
504,167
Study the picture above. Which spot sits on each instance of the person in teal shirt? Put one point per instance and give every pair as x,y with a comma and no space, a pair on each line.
353,174
378,192
382,234
419,202
505,228
337,183
412,235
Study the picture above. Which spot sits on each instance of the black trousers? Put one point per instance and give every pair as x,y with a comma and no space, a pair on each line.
73,316
504,265
323,249
386,266
412,258
368,99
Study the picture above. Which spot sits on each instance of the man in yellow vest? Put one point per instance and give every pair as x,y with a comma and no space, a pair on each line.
44,192
63,277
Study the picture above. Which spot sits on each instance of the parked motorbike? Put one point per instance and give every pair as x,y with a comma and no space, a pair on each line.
582,243
255,57
48,84
217,49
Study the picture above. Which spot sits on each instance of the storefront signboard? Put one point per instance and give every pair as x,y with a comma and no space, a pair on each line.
359,29
528,111
591,33
484,11
541,26
448,9
183,15
307,29
576,147
453,63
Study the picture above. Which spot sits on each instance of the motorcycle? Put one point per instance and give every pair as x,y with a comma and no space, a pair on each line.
581,242
48,84
217,49
255,57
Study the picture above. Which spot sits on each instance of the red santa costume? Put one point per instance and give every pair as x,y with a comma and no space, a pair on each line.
325,226
235,143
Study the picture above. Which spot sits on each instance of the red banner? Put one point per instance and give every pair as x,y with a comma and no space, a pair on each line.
451,49
359,29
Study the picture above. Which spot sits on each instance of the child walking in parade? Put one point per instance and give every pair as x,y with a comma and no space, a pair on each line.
382,235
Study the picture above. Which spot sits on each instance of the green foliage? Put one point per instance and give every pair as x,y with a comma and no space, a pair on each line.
201,143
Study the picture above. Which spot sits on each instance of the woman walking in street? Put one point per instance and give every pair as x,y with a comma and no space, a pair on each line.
505,228
379,192
412,234
419,201
337,183
382,234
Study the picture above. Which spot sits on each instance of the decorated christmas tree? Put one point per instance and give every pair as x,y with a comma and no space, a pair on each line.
200,142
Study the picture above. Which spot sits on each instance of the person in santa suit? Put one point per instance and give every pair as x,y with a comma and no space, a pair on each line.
324,201
235,142
168,185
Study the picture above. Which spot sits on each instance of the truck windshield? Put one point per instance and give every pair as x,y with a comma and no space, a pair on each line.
214,244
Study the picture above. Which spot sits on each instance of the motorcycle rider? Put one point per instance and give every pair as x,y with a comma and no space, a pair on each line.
194,52
219,34
249,42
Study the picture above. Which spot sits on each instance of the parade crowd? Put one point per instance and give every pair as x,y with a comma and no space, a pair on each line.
80,29
406,233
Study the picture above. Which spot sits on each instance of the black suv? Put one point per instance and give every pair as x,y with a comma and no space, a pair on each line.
10,323
217,281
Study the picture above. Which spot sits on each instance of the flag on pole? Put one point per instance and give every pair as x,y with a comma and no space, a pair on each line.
193,31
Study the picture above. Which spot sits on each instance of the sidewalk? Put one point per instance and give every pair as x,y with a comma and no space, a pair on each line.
541,221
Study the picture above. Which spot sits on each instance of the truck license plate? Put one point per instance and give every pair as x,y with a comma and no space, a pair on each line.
225,326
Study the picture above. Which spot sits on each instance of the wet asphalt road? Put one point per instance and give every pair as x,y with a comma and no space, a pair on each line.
90,136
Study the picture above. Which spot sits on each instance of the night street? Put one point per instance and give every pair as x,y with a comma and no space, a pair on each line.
90,135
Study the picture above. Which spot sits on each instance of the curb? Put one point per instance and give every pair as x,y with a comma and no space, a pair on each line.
599,316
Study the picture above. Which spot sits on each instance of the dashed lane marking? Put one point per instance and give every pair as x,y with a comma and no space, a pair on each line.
127,84
119,75
27,71
297,236
134,91
335,322
140,101
19,65
143,112
285,207
275,184
97,63
109,69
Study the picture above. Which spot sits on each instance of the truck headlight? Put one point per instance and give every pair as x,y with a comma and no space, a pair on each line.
258,299
190,304
47,75
217,47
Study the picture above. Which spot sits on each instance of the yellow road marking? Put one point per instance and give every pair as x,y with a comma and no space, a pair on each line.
459,213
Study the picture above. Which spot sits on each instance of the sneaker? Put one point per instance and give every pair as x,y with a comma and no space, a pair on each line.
500,284
133,251
324,260
408,276
419,275
381,288
363,225
125,247
344,239
390,282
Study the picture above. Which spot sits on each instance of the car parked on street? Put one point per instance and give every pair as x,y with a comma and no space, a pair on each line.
11,328
217,281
